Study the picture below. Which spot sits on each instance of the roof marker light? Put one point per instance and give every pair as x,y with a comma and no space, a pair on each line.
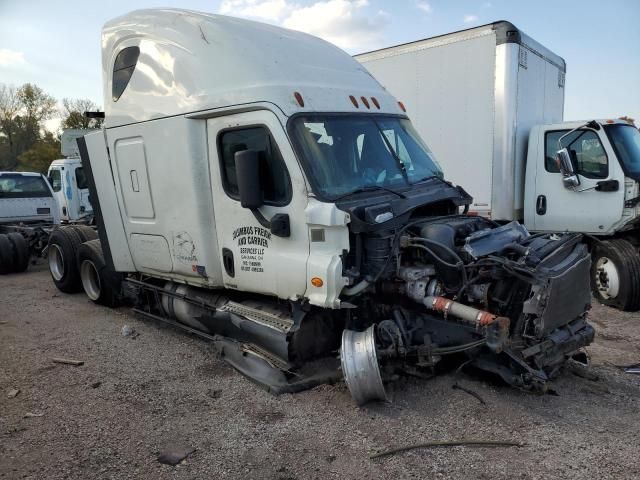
375,102
365,101
402,106
354,101
299,98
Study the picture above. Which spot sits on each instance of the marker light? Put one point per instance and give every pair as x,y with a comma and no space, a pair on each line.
375,102
354,101
299,98
402,106
317,282
365,101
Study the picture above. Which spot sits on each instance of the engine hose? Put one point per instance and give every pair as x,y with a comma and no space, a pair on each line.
474,316
457,266
356,289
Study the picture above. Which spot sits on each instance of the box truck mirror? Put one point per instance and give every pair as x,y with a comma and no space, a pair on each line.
565,165
248,175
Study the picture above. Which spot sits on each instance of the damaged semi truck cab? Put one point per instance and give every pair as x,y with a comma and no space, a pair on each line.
258,186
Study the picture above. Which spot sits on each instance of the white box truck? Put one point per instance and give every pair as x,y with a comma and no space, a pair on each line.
490,102
257,186
68,180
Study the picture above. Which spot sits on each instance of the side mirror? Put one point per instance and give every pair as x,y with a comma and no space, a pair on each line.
248,175
565,165
607,186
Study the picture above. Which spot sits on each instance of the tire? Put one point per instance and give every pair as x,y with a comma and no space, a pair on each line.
21,254
7,260
61,254
615,274
101,284
85,232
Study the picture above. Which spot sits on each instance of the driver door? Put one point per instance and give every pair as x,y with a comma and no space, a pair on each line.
582,209
253,258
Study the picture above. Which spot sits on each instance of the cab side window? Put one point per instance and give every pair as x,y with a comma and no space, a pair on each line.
585,149
123,67
56,180
81,179
275,178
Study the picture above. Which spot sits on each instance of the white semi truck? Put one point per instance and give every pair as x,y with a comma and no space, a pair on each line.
490,101
68,180
257,186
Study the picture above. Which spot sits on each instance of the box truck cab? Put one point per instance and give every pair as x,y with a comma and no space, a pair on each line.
490,100
68,180
258,186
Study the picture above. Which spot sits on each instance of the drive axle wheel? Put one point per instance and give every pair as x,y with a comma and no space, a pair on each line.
100,283
20,252
6,255
615,274
61,254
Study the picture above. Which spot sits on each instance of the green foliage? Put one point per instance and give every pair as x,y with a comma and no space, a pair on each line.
40,155
73,113
25,144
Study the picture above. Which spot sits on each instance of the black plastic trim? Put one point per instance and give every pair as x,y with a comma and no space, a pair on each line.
95,203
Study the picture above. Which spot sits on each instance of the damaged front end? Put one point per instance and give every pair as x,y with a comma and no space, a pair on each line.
511,303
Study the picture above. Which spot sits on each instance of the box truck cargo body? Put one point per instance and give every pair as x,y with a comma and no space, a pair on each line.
474,95
490,102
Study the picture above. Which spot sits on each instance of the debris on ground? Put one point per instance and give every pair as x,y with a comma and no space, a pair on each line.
96,384
457,443
632,369
13,393
175,454
33,415
68,361
455,386
128,331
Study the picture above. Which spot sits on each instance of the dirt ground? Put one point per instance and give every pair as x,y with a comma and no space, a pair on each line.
133,397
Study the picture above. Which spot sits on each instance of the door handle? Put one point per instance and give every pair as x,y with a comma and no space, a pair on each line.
541,205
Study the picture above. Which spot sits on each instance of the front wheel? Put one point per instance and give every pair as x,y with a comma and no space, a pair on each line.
615,274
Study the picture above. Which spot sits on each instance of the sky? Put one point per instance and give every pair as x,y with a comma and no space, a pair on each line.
56,43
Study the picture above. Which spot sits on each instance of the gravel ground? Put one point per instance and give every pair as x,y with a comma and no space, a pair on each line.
133,397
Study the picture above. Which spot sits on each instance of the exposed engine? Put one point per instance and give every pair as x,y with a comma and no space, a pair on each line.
515,304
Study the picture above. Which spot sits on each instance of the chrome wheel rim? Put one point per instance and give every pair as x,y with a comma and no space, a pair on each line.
90,279
607,278
56,262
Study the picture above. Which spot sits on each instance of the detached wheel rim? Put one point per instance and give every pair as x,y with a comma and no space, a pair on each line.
90,279
56,262
607,278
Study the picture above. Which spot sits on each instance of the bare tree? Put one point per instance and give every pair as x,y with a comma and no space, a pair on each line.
10,105
73,113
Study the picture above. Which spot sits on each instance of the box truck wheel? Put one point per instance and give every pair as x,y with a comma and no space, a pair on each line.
6,255
20,252
615,274
61,254
100,283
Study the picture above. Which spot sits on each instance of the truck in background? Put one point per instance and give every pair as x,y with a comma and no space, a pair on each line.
288,215
69,182
28,214
490,100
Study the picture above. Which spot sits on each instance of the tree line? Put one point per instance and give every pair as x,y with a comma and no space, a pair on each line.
25,143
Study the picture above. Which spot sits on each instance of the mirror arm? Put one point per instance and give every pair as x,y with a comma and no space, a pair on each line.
278,225
261,219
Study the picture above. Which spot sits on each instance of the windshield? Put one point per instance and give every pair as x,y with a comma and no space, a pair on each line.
625,140
348,153
14,185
